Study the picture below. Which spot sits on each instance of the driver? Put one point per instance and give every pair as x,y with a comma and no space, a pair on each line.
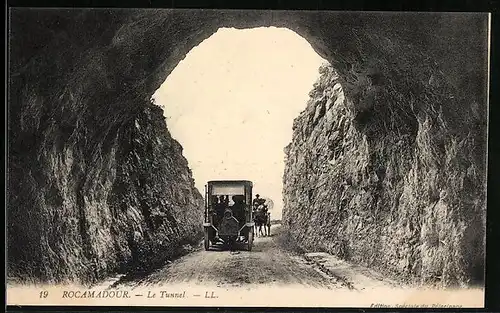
257,201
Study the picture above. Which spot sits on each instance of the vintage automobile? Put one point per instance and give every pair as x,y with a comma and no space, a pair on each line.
228,214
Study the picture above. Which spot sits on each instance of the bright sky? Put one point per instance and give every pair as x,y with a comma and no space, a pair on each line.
231,103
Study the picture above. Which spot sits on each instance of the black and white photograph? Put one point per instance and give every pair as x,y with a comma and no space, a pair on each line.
250,158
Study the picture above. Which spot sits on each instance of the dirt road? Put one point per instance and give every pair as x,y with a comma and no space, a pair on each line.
267,264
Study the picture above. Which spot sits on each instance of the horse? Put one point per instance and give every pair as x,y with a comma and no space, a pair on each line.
262,218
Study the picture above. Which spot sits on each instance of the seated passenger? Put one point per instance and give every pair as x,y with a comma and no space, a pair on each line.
215,201
238,209
219,209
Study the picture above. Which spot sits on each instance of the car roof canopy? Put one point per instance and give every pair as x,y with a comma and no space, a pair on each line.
229,187
234,182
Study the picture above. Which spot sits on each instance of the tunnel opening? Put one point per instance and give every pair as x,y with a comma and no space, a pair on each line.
231,103
119,171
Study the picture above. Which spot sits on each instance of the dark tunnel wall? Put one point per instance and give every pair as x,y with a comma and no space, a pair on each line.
91,161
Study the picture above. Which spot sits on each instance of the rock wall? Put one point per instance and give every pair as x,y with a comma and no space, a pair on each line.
390,181
80,213
96,183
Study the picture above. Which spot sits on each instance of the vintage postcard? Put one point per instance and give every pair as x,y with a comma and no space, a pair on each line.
166,157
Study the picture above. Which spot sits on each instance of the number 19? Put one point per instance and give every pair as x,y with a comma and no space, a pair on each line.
44,294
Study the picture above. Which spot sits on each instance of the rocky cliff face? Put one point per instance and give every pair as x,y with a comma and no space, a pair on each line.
96,183
394,183
126,199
